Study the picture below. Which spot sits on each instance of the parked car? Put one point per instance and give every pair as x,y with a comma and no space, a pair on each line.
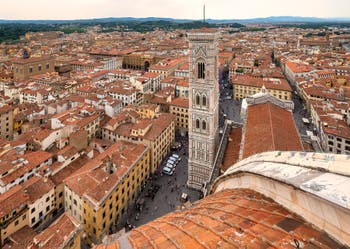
171,166
167,171
173,158
176,146
176,156
172,161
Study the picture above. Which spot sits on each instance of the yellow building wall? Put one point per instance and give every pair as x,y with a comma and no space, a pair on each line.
12,226
97,221
162,145
76,242
240,92
181,115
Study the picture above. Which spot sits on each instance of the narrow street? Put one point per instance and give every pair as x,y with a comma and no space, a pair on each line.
299,113
227,105
168,196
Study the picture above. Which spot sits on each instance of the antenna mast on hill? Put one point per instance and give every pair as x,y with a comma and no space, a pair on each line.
204,13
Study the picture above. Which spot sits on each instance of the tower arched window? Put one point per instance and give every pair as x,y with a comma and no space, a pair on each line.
204,125
201,70
197,123
204,100
197,100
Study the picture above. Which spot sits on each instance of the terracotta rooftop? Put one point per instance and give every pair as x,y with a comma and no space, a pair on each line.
167,64
203,30
269,83
299,67
36,187
297,179
268,128
31,59
69,170
231,155
93,182
5,109
29,161
235,218
180,102
12,200
20,239
58,234
158,125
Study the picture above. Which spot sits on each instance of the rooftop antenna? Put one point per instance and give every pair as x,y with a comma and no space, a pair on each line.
204,13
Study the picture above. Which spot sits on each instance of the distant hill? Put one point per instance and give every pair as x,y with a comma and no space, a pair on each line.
272,19
290,19
98,20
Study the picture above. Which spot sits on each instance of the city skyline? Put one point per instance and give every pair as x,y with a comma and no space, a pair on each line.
181,9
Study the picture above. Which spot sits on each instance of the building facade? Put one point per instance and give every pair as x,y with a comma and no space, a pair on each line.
109,184
27,67
157,132
14,212
179,108
203,106
244,86
6,122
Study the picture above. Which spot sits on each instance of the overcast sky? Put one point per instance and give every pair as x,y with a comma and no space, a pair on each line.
191,9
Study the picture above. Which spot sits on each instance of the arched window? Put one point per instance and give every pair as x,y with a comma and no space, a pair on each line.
197,123
204,125
197,100
204,100
201,70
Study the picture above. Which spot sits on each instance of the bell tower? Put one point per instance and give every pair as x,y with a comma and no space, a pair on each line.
203,109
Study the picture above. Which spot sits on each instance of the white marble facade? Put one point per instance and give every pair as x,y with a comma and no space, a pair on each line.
203,109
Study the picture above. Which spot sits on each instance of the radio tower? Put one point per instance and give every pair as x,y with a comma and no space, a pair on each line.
204,13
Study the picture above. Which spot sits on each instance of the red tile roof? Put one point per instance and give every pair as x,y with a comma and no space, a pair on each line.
277,84
20,239
180,102
235,218
36,187
12,200
58,234
31,59
32,160
299,67
158,125
268,128
231,155
69,169
93,182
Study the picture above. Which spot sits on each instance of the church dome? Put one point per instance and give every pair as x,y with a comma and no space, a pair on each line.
248,208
